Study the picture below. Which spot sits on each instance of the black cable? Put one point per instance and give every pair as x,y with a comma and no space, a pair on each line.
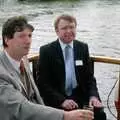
109,98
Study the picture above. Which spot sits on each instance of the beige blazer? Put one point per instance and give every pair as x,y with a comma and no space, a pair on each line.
13,104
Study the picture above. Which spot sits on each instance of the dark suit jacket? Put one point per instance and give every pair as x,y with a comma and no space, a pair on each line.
51,74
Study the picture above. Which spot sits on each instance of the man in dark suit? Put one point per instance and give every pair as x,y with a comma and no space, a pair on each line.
65,79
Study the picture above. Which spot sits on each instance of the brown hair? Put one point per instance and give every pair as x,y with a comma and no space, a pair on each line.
12,25
64,17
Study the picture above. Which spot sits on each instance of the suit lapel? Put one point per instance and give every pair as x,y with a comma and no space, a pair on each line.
75,50
31,79
77,56
59,50
58,54
14,73
59,59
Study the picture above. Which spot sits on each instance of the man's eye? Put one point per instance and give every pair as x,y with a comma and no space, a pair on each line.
30,35
72,27
64,28
21,36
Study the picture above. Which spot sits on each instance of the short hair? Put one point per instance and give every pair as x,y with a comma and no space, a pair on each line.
64,17
12,25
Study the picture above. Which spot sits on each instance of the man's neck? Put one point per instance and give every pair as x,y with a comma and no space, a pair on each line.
13,55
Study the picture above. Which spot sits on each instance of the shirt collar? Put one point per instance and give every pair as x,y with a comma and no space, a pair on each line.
63,45
16,64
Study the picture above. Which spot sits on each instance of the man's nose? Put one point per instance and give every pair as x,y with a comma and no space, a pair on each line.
69,29
28,39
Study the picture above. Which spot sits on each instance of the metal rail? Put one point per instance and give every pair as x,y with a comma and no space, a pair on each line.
33,58
103,59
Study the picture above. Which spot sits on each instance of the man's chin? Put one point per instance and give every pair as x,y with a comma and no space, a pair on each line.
68,41
26,53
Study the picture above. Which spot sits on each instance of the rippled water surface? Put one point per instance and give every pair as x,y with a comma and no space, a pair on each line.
98,25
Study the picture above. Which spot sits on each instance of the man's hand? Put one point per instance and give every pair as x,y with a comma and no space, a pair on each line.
69,104
79,115
95,102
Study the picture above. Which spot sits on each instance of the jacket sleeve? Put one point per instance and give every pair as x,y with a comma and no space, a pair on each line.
14,106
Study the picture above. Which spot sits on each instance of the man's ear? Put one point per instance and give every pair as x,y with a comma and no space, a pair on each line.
56,30
6,40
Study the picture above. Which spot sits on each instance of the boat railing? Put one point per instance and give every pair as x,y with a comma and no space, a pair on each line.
33,58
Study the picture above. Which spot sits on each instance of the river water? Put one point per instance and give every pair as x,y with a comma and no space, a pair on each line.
98,25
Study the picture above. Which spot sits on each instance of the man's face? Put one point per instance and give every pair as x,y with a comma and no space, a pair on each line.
66,31
19,45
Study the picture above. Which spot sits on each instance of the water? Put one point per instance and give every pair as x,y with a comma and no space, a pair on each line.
98,25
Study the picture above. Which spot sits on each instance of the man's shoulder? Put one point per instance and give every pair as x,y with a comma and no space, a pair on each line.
2,56
3,63
77,42
49,45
